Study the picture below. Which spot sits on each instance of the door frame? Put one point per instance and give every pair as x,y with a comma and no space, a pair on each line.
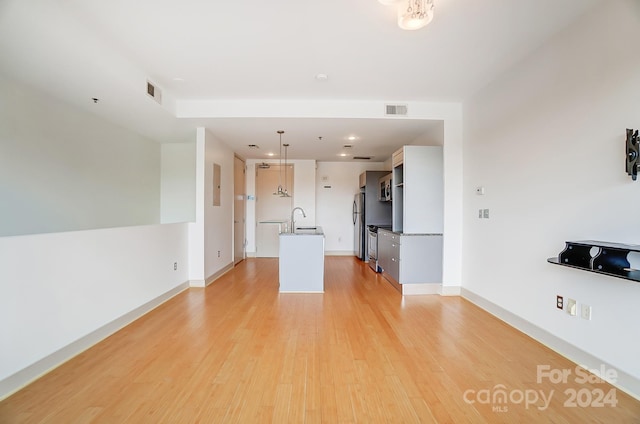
239,202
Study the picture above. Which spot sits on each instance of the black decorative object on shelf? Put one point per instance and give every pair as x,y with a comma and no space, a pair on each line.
633,152
610,258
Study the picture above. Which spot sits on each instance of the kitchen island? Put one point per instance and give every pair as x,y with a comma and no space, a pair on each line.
302,261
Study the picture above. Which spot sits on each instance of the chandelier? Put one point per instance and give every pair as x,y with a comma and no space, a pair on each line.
412,14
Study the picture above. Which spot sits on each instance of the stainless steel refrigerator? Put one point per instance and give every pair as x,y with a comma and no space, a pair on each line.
368,210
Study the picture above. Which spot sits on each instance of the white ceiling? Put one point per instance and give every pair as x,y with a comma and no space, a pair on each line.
270,51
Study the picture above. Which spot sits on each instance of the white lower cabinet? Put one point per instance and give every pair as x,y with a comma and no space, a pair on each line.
410,258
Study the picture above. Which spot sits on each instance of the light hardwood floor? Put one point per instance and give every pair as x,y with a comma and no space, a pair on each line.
238,351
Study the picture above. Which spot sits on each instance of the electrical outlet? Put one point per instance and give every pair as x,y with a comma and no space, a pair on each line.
586,312
175,266
572,307
559,302
218,253
480,213
485,213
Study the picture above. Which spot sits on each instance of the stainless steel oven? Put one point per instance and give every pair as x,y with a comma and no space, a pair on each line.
372,246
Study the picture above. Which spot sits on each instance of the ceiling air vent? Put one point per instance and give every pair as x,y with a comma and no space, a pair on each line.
154,92
400,110
362,158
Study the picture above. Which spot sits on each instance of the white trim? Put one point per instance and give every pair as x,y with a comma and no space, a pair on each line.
339,253
27,375
450,290
625,382
414,289
213,277
301,292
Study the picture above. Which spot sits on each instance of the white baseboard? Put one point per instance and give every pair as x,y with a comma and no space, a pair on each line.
301,292
624,381
213,277
220,273
414,289
450,290
327,253
339,253
17,381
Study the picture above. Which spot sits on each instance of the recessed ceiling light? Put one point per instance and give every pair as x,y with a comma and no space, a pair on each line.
343,154
352,137
271,154
322,77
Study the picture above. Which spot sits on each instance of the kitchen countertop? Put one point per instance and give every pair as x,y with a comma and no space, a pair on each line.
305,231
400,233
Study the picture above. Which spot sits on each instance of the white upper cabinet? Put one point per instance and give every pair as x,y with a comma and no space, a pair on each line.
418,192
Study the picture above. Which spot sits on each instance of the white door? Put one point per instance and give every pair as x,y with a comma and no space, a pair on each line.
239,200
272,210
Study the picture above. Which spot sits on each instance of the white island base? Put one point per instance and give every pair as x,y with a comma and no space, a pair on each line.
302,261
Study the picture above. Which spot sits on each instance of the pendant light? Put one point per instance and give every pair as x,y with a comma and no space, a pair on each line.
285,192
282,192
279,190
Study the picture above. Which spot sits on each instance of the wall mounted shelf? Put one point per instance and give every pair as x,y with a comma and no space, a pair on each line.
609,259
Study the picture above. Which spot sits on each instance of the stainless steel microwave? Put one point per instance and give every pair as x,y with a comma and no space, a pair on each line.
384,193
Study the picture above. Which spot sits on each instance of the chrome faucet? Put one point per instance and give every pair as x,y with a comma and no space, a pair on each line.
293,222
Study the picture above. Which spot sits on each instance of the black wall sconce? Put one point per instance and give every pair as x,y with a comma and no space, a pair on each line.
632,153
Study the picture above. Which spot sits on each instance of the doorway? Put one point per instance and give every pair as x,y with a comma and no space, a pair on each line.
239,208
272,210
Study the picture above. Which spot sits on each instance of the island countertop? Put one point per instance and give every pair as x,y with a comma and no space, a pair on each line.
305,231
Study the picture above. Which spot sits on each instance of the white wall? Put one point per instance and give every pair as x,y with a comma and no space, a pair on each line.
212,230
334,204
59,288
64,169
304,195
218,219
546,140
178,182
